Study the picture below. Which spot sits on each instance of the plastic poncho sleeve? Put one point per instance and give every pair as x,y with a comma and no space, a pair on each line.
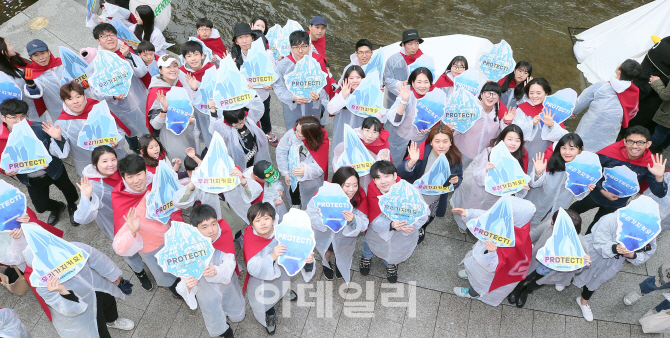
603,234
87,210
101,263
263,268
125,244
336,104
390,77
525,122
283,94
282,154
11,326
13,255
586,97
535,180
553,134
256,109
61,304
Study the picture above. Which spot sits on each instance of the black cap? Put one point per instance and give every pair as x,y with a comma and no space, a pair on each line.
241,29
264,169
409,35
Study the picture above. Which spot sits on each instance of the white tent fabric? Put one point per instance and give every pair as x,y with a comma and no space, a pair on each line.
627,36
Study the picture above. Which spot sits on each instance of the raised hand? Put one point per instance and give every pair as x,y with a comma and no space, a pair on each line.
86,187
414,153
192,81
404,92
176,164
510,114
160,96
658,167
124,49
540,163
345,90
547,118
52,130
132,221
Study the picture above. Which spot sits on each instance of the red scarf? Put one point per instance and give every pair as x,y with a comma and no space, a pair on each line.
321,155
382,142
253,244
618,151
320,46
146,79
225,241
113,180
260,197
151,98
513,262
329,80
373,201
512,83
151,168
532,111
502,110
629,100
199,73
39,70
122,201
216,45
444,81
419,96
410,59
84,115
362,201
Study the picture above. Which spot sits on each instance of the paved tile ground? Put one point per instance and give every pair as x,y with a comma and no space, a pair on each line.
366,307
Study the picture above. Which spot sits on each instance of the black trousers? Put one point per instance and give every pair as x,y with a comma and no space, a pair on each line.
587,204
39,192
586,293
295,195
107,312
266,125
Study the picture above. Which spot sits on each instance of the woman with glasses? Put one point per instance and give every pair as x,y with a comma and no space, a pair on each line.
513,83
456,67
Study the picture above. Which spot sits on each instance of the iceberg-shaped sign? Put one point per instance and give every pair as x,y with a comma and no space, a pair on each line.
12,206
563,250
423,61
111,74
179,110
90,8
283,44
159,201
507,177
206,90
621,181
74,67
123,33
100,128
468,80
376,64
498,62
8,89
52,256
295,232
496,224
273,35
331,201
258,67
24,152
585,169
213,174
403,203
462,110
306,77
561,104
153,69
186,252
638,223
205,50
429,110
367,100
434,182
293,162
232,89
355,154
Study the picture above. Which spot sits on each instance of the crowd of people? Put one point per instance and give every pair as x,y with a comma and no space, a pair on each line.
114,179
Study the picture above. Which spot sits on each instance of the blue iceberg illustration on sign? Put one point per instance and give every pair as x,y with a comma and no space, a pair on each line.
74,67
561,104
159,201
12,206
376,64
123,33
205,50
563,250
283,44
274,34
468,80
367,100
293,162
423,61
232,89
355,154
295,232
621,181
90,7
433,182
331,200
585,169
8,89
111,74
52,256
100,128
638,223
24,152
498,62
258,67
462,110
186,252
403,203
179,110
429,110
496,224
206,90
213,174
306,77
507,177
153,68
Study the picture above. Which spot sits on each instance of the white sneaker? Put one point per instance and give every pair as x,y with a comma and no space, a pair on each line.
122,324
559,287
586,310
463,292
632,297
463,274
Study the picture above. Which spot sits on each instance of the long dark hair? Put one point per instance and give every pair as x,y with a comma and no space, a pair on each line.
143,31
458,58
510,77
8,64
492,87
518,154
310,127
454,155
98,152
342,175
145,140
556,161
354,68
265,21
542,82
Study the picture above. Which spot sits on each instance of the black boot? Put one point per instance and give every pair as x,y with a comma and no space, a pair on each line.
71,212
522,298
514,295
228,333
422,231
173,289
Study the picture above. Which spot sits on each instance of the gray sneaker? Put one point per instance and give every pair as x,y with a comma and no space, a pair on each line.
271,324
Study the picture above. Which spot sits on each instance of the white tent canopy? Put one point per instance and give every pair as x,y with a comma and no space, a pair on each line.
627,36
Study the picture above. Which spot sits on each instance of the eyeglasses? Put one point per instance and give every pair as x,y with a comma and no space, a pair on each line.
303,47
638,143
365,53
204,29
108,36
490,94
19,117
521,72
458,67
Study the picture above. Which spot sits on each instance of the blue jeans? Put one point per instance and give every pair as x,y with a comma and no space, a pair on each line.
661,138
367,253
649,285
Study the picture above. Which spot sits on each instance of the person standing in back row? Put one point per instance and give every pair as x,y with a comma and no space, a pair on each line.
396,71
